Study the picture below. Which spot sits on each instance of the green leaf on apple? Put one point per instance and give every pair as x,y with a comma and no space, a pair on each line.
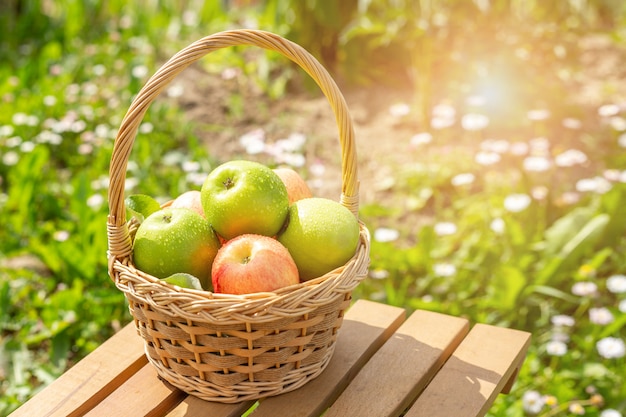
184,280
140,206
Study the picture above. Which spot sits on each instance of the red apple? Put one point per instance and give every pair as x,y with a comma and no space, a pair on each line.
191,200
297,188
253,263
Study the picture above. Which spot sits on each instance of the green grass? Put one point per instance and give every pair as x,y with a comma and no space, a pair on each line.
501,244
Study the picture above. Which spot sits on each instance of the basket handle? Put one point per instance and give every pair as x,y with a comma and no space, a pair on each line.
120,245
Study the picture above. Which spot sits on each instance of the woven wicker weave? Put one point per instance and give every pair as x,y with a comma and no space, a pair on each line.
222,347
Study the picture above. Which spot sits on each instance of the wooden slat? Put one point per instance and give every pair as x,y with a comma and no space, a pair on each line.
90,380
396,374
484,364
366,327
142,395
379,367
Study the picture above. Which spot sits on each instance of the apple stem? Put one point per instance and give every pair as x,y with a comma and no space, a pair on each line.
245,260
229,183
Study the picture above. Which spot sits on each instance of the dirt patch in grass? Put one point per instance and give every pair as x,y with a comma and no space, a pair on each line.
225,109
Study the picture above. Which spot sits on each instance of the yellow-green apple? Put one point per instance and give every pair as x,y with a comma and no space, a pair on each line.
174,240
253,263
321,235
190,200
297,188
244,197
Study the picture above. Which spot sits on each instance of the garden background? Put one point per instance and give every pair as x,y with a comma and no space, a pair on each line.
492,157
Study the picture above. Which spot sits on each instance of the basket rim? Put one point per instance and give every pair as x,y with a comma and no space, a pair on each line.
221,308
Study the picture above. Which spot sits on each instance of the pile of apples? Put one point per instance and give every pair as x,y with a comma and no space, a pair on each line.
249,229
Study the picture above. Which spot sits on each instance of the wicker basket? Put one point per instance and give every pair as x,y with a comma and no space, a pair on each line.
221,347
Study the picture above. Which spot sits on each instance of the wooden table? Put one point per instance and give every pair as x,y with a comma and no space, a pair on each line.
430,364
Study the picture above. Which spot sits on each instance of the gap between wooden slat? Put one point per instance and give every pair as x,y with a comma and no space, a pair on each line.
142,395
480,368
366,327
402,367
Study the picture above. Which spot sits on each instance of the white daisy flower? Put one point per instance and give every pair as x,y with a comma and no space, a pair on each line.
616,284
563,320
556,348
463,179
584,289
610,412
611,348
474,121
600,315
385,234
533,402
516,203
444,269
445,228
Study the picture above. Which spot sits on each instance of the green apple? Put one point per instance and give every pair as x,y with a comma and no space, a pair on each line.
244,197
174,240
253,263
321,235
